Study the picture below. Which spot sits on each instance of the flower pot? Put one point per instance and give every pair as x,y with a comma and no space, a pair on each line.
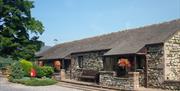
4,71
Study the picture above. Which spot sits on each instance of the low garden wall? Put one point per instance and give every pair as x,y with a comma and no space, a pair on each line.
107,78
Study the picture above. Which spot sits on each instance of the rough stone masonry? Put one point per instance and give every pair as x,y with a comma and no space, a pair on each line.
163,64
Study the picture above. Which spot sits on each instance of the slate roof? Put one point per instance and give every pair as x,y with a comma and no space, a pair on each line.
122,42
43,48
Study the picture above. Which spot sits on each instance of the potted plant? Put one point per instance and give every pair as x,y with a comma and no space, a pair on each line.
124,64
4,70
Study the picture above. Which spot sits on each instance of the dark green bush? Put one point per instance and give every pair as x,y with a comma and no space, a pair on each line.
22,80
4,62
16,71
27,66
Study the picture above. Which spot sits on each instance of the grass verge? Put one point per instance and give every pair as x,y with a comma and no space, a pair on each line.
35,81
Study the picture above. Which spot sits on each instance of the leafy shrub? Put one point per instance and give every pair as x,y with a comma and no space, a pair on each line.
16,71
39,72
26,66
48,71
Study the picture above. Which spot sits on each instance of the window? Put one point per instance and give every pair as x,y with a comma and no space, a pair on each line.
80,61
140,64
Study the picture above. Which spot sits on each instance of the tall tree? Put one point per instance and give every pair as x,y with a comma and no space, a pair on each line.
19,31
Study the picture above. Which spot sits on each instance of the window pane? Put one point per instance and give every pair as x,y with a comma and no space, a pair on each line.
80,61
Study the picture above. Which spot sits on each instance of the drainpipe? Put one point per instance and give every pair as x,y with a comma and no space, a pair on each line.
63,64
146,74
135,62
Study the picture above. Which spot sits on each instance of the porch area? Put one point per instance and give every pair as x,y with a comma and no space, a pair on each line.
112,75
122,66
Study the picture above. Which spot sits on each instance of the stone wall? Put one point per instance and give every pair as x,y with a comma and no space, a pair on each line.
107,78
141,79
172,58
155,69
91,60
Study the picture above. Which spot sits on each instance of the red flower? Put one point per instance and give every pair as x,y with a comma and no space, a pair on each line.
33,72
124,63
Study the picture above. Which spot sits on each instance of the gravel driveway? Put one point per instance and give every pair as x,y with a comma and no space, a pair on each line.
7,86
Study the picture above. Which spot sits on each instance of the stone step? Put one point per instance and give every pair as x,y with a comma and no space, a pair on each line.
82,87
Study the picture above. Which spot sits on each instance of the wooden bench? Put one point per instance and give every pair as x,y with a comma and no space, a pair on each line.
90,74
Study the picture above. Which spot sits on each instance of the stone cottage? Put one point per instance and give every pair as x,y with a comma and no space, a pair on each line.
153,51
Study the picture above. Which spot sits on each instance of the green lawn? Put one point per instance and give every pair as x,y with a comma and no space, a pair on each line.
35,81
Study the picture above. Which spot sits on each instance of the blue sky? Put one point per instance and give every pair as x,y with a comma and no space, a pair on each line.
68,20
